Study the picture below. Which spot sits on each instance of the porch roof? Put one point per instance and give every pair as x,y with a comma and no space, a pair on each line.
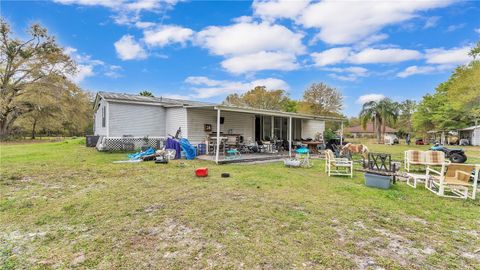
270,112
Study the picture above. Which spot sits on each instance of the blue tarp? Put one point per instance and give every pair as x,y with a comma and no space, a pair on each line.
139,155
190,151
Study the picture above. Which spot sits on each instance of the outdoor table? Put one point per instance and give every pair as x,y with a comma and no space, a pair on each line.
312,146
416,178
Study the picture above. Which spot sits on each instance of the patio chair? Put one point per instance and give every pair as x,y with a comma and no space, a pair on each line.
337,166
413,157
456,179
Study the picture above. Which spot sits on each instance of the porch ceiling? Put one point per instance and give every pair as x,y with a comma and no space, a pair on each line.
271,113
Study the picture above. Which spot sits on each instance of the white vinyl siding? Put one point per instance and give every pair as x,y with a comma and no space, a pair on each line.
135,120
311,127
175,118
475,137
238,123
98,128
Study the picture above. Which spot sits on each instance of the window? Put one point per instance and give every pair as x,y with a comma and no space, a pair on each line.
104,112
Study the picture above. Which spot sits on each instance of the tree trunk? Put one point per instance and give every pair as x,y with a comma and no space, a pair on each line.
383,133
33,128
377,128
3,130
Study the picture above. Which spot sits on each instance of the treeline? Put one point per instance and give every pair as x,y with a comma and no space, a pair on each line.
318,99
35,92
455,103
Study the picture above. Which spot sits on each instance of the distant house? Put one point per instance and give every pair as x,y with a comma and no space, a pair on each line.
359,131
123,115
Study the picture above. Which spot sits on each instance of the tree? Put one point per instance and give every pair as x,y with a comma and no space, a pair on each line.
23,66
322,99
455,103
381,113
62,109
407,108
146,94
260,98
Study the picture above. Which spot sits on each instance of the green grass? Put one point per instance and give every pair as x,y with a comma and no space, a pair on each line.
63,205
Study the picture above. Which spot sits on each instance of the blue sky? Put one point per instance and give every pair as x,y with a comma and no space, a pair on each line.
205,50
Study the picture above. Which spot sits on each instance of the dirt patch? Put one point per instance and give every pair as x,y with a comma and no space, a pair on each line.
172,243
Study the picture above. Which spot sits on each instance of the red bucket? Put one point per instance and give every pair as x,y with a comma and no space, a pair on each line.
201,172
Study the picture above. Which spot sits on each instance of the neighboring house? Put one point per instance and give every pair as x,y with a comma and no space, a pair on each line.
118,115
368,131
472,134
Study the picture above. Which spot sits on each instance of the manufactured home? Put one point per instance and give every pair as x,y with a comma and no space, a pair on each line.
125,115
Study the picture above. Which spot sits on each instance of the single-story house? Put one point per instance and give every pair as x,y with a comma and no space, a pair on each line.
119,115
472,134
368,131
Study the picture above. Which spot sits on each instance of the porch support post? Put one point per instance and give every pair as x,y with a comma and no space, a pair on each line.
341,133
290,136
272,124
217,149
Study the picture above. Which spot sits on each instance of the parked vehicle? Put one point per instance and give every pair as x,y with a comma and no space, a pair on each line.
455,155
420,142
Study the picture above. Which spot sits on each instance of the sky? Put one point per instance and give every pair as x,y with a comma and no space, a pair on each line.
205,50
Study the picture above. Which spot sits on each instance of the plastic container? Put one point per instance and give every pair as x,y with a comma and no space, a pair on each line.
377,180
201,172
202,149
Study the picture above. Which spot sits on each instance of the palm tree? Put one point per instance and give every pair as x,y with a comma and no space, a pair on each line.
146,93
381,113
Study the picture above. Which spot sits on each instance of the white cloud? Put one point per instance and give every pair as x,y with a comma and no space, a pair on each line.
331,56
455,56
345,22
431,22
88,67
127,12
455,27
365,56
251,46
247,38
83,71
370,40
277,9
260,61
477,30
370,56
128,48
348,73
113,71
167,34
369,97
104,3
206,88
143,25
412,70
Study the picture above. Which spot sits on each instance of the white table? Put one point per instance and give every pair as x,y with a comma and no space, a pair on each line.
415,178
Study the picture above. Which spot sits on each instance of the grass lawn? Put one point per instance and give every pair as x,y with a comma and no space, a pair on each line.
63,205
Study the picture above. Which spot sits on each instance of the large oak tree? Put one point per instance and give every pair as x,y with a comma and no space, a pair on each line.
26,66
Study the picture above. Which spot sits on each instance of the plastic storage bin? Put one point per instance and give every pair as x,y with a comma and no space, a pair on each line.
377,181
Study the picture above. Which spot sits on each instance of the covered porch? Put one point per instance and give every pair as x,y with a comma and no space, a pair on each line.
272,135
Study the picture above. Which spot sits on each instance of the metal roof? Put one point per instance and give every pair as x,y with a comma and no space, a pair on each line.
160,100
470,128
122,97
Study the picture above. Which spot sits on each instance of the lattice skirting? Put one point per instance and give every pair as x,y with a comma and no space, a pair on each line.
129,143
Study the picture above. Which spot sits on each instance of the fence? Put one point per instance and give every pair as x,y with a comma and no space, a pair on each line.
129,143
